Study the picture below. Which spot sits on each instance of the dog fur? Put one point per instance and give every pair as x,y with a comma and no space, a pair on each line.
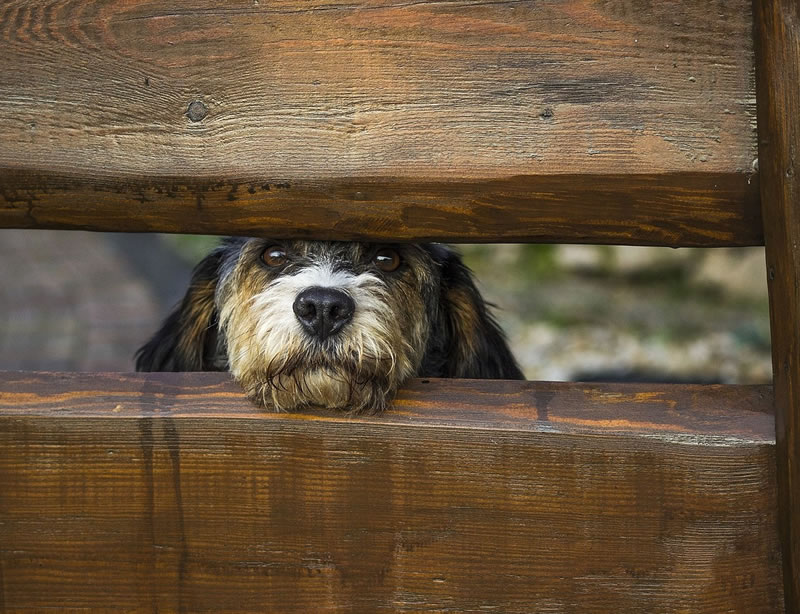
426,318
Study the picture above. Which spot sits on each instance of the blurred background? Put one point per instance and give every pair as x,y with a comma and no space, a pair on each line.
79,301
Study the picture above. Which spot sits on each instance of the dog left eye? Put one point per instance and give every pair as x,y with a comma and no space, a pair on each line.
274,256
387,260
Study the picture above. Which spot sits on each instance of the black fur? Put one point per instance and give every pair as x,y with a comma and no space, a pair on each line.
188,340
490,356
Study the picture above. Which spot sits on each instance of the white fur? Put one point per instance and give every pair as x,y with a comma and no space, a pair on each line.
264,333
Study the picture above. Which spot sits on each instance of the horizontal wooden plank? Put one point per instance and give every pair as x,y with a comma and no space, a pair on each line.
727,411
169,492
696,210
576,121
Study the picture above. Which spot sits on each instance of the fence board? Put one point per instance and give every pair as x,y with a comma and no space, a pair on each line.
778,39
170,492
581,121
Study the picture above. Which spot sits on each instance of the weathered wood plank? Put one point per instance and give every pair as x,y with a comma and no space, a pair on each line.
583,121
687,210
170,492
778,42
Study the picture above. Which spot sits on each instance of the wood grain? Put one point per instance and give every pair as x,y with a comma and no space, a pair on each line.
169,492
618,121
687,210
778,38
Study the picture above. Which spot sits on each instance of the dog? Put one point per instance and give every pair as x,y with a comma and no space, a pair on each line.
330,324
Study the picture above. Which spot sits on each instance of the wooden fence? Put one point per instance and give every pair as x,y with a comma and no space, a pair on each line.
567,120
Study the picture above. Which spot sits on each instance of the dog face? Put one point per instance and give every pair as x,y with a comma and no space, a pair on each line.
331,324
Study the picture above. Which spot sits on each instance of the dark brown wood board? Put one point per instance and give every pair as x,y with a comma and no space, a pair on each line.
778,43
564,120
170,492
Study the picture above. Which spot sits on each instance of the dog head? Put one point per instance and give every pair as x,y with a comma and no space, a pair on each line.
332,324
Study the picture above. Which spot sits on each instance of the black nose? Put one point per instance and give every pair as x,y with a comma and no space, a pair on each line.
323,311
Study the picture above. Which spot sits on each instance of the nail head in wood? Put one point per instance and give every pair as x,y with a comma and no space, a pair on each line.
196,111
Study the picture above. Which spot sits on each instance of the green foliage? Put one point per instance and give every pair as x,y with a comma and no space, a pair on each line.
524,263
191,248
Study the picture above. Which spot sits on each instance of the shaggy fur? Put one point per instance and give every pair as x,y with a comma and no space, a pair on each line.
426,318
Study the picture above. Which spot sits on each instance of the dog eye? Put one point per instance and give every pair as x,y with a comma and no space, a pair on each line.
274,256
387,260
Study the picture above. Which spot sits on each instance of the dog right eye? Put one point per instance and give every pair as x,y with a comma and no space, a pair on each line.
274,256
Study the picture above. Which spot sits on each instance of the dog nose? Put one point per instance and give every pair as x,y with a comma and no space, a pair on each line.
323,311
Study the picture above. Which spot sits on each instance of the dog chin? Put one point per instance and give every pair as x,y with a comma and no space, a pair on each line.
322,387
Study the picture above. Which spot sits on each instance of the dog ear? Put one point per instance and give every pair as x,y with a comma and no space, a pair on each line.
473,343
187,341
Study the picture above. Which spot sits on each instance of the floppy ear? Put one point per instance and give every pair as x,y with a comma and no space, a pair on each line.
187,341
474,344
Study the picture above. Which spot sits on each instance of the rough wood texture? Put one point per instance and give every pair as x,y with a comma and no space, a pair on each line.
778,42
575,120
169,492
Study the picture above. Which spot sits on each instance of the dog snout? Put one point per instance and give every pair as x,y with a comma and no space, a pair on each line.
323,311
